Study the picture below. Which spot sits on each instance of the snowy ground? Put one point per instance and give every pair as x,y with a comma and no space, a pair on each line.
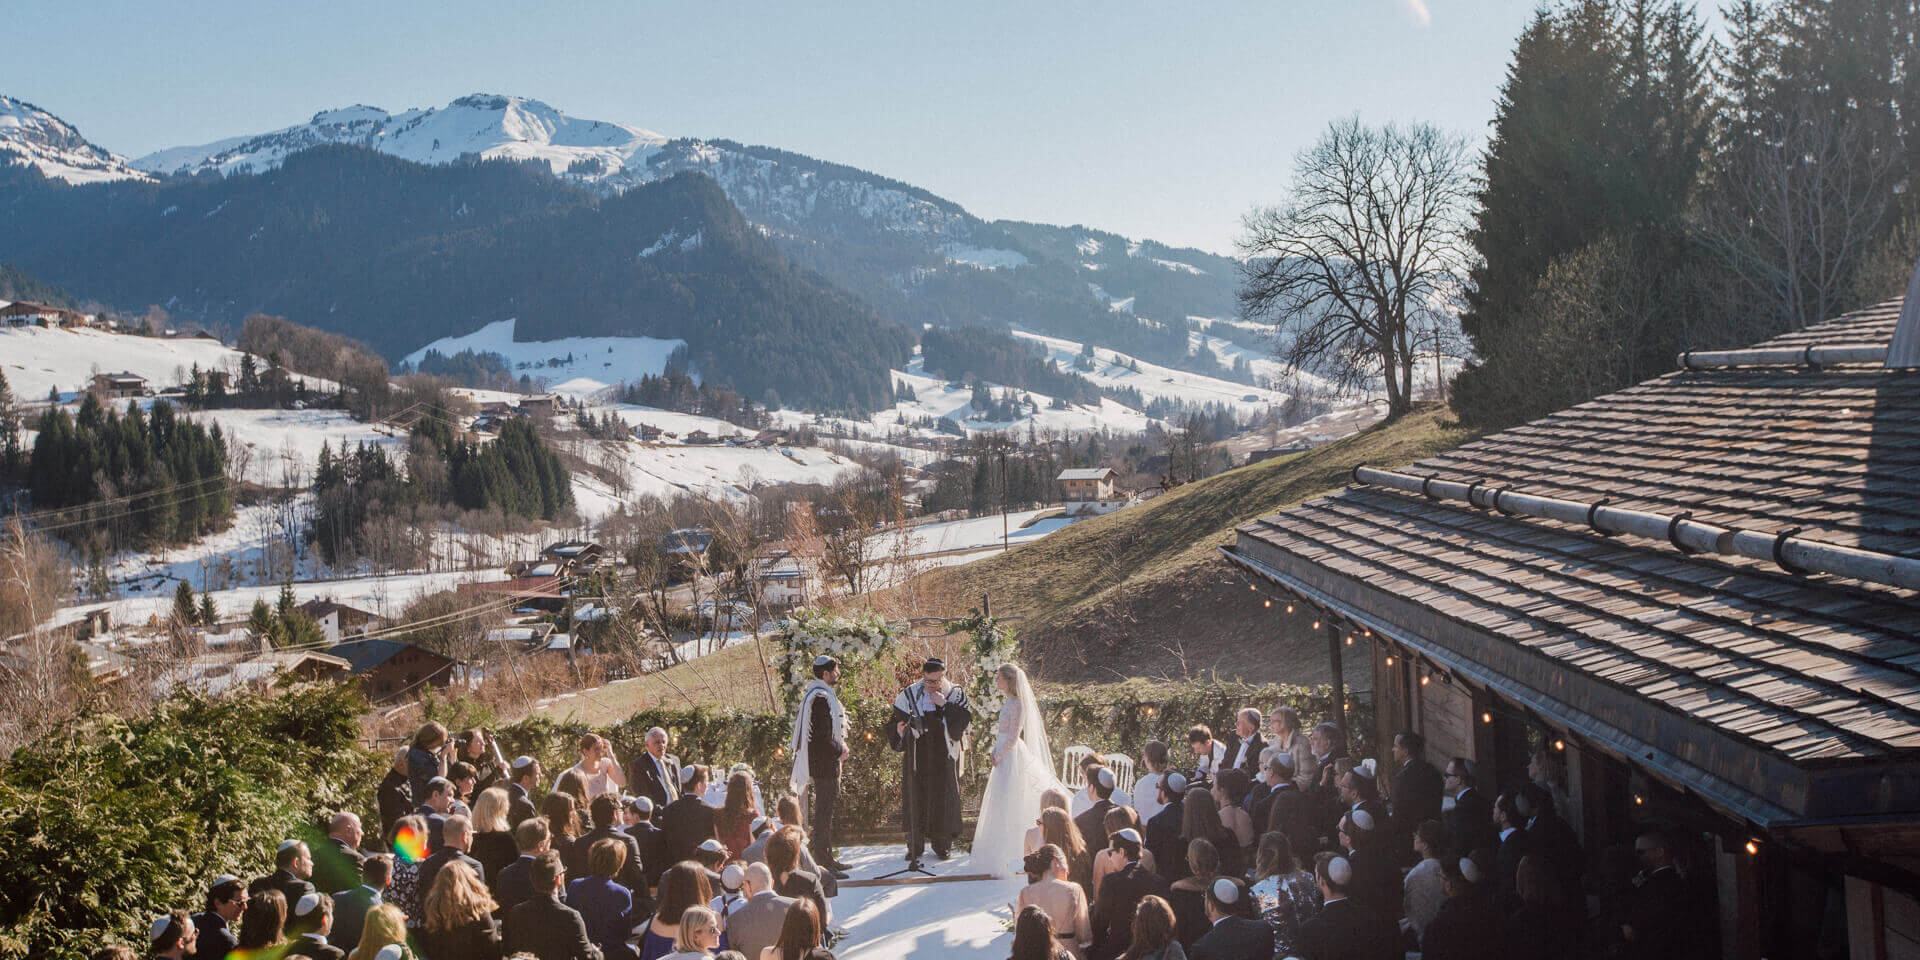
718,471
574,366
39,359
287,442
962,919
1113,370
386,595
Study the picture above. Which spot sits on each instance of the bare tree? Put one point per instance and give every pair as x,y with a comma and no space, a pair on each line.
37,672
1366,257
849,547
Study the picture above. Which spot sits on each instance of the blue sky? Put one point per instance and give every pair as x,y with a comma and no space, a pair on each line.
1164,120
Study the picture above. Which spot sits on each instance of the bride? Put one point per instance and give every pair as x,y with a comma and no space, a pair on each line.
1022,770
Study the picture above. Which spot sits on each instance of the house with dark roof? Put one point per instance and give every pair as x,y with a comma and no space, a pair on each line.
391,669
338,620
1700,596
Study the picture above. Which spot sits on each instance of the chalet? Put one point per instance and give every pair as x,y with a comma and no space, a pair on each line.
540,405
391,669
1701,595
524,636
647,432
698,438
574,556
221,672
787,575
1090,490
22,313
525,593
687,545
339,621
119,385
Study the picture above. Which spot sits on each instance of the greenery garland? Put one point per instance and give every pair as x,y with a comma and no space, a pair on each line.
857,640
990,645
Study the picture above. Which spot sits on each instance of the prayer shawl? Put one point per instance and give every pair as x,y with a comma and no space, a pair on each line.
915,703
803,729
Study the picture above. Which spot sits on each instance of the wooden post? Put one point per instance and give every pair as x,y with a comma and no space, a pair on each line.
1339,675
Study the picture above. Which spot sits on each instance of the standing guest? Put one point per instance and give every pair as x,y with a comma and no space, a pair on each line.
1146,790
514,886
393,795
1548,770
1050,799
1424,888
1188,895
1061,832
655,774
336,865
1092,821
1153,933
1246,744
820,749
545,927
263,925
1201,821
459,838
711,856
350,907
734,824
756,924
1289,809
426,759
688,821
479,751
1416,786
1033,937
1233,933
647,836
1284,891
213,927
1108,859
1538,930
573,785
1328,744
1469,821
292,865
1359,791
1657,922
1468,927
172,935
699,935
1553,839
783,859
464,778
459,921
525,776
598,767
606,817
407,841
1376,874
1284,735
434,809
800,934
384,936
563,823
309,924
493,842
1120,896
1345,930
604,903
1164,830
1229,793
682,887
1209,755
1513,846
1049,889
732,895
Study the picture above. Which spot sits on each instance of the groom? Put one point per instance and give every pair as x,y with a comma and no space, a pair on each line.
928,719
819,748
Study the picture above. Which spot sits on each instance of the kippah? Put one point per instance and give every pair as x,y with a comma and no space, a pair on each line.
1105,777
1364,768
522,762
641,804
286,845
687,772
932,664
224,878
1226,891
1339,871
1284,758
306,905
1176,782
439,783
1469,870
711,845
823,661
161,924
758,822
732,876
1362,820
392,951
1128,834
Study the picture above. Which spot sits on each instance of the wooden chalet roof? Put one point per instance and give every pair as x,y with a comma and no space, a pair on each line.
1777,694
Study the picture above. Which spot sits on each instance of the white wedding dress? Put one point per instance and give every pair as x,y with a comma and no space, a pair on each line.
1022,770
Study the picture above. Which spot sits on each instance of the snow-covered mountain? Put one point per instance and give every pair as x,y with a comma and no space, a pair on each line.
30,136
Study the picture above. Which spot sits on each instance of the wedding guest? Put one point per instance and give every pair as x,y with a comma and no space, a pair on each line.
1188,895
405,892
1245,744
426,759
1100,784
1233,933
682,887
1286,736
757,924
514,886
544,926
526,775
309,924
1288,809
1154,758
1120,896
463,777
606,817
1209,755
493,842
1033,937
799,936
1417,786
459,921
350,907
1284,891
1052,798
1376,874
1201,821
263,925
1469,821
1163,831
605,905
434,809
478,750
385,927
649,838
732,896
1108,859
563,824
336,862
292,865
393,796
459,837
213,927
734,824
1537,931
1424,887
1467,926
1084,798
699,935
783,858
1345,930
1065,903
1059,831
688,821
1153,933
172,936
1229,791
572,784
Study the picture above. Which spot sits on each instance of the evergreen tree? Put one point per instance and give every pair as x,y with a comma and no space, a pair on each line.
209,612
185,612
260,620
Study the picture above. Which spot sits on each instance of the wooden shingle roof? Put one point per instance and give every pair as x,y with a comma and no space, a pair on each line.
1784,687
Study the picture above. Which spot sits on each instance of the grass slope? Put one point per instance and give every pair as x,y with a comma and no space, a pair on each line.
1144,593
729,678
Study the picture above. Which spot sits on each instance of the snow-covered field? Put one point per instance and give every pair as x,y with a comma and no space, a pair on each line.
39,359
287,442
573,366
977,533
721,472
1114,370
386,595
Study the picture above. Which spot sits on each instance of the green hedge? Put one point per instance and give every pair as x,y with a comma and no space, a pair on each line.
111,821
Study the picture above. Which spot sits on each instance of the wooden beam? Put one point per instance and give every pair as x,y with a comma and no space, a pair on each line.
1339,675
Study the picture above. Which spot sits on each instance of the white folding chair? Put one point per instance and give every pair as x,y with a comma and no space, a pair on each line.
1122,767
1070,766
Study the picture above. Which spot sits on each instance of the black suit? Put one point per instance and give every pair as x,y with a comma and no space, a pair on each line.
216,938
1467,927
1163,839
1416,795
632,875
336,866
653,850
1345,930
350,909
436,861
687,822
290,886
1658,912
1093,824
550,930
1290,810
514,885
1120,895
1507,865
520,807
645,779
823,769
477,939
1376,882
314,948
1470,823
1234,938
1554,840
799,884
1251,762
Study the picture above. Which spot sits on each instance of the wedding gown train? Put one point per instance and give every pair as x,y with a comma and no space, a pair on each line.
1023,771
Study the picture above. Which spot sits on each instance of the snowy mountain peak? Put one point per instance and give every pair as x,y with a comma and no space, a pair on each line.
30,136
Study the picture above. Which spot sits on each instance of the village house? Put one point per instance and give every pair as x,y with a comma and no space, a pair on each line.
1700,596
22,313
391,669
339,621
687,546
216,673
574,556
1089,491
787,575
119,385
540,405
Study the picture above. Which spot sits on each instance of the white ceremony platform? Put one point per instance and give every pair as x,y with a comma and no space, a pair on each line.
957,918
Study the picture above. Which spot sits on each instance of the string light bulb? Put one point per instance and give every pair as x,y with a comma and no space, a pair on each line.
1753,847
1289,608
1486,718
1639,800
1389,661
1267,603
1316,624
1424,678
1559,744
1349,639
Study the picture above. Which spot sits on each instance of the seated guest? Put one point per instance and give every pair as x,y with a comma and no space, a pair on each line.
756,923
1153,933
1051,798
407,840
1084,798
1188,895
756,851
292,865
687,821
1284,735
1284,891
435,804
711,856
1424,887
522,780
309,924
1092,820
699,935
1229,792
800,934
1245,745
1163,831
682,887
1034,939
1120,895
172,936
1154,759
731,895
605,904
573,786
459,919
1467,925
734,823
1107,859
1233,933
563,825
783,859
493,842
1209,755
1287,809
514,886
1345,930
213,927
1537,931
1201,821
1064,902
459,836
1059,831
263,925
1376,876
350,907
606,816
336,864
384,936
647,836
545,927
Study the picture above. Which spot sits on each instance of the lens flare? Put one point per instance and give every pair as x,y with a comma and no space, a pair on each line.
409,844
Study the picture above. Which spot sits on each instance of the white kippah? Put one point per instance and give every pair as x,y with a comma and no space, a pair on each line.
1339,871
306,905
286,845
160,925
758,822
1128,834
822,660
732,876
1469,870
1176,783
643,804
711,845
522,762
1226,891
1362,820
687,772
224,878
392,951
1105,777
1284,758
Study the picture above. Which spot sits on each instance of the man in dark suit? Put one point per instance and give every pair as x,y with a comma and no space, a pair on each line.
1287,808
435,808
514,885
336,865
523,777
1235,935
1416,789
1376,882
1120,895
1512,846
651,841
606,813
1093,821
688,821
458,836
1553,839
1656,924
308,924
293,864
545,927
1469,822
655,773
1243,748
226,900
1344,930
350,907
1163,831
